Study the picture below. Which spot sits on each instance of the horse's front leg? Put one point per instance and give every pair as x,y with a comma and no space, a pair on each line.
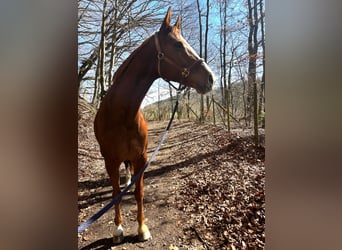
114,174
143,231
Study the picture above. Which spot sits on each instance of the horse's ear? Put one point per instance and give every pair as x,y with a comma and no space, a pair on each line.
167,20
178,23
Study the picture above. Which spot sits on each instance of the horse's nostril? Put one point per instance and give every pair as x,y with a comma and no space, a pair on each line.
211,80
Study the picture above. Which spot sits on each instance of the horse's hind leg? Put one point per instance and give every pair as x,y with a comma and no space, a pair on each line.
143,232
128,167
114,174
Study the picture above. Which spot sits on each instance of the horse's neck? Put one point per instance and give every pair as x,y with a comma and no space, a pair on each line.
131,85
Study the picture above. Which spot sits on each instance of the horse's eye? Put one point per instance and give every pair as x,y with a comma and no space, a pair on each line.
179,45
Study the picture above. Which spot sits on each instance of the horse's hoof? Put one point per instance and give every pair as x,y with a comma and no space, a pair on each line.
145,236
118,239
118,235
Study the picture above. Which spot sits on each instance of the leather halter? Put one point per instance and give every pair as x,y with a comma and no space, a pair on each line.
185,72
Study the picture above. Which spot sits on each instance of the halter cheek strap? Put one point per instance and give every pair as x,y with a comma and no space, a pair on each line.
185,72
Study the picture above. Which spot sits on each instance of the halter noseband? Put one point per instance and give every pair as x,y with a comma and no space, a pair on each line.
185,72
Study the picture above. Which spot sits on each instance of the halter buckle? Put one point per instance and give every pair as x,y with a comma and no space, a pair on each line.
160,56
185,73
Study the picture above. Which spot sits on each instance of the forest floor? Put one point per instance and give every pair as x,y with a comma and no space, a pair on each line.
204,190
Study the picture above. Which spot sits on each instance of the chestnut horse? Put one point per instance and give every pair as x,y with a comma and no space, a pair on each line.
120,127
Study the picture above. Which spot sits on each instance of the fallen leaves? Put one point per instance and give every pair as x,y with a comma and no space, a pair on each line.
225,199
172,247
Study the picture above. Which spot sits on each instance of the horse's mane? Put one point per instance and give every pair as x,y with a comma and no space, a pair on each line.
121,70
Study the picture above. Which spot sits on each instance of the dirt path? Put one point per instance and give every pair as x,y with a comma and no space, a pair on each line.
194,198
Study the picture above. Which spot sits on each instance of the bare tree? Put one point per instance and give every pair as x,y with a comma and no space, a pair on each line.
261,109
200,49
252,51
102,58
206,45
122,26
223,60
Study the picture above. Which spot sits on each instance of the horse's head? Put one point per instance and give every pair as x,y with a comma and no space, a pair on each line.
177,61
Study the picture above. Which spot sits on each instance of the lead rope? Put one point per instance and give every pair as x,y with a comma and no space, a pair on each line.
92,219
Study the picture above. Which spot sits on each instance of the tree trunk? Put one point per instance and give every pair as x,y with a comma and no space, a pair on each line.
213,103
96,85
188,105
103,52
226,92
200,39
87,64
206,46
252,50
113,44
222,50
261,111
